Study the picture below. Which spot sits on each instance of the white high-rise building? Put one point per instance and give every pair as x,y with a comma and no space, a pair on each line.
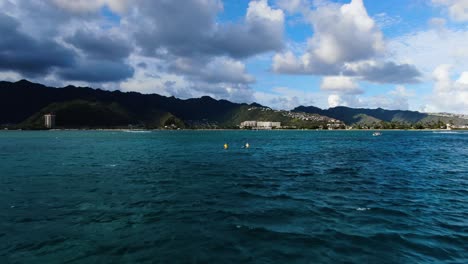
49,121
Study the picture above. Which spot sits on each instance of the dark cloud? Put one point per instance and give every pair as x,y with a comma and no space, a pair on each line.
97,71
387,72
142,65
169,84
29,56
244,40
103,58
186,41
183,29
191,30
217,70
100,46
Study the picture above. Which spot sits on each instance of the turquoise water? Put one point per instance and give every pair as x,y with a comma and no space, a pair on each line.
178,197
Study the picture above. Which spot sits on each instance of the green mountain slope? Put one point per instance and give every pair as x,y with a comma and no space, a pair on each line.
368,117
23,104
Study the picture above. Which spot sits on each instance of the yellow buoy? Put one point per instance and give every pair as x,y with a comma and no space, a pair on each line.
247,145
226,146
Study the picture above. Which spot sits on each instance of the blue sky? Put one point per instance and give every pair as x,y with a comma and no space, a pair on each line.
400,54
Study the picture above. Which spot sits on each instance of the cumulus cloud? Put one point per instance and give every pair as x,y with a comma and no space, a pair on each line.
427,49
448,94
216,70
191,29
341,34
48,45
71,41
293,6
261,31
383,72
397,99
10,76
226,70
457,9
150,79
86,6
340,84
29,56
100,45
103,58
189,42
285,98
335,100
191,78
96,71
344,36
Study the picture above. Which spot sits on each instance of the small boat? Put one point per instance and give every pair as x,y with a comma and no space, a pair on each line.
375,134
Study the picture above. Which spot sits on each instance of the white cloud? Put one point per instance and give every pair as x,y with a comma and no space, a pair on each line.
222,78
429,48
340,84
214,70
9,76
187,50
224,69
462,82
335,100
293,6
457,9
343,35
437,23
288,63
260,10
448,95
383,20
396,99
285,98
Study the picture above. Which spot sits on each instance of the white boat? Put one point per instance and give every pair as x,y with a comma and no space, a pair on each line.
375,134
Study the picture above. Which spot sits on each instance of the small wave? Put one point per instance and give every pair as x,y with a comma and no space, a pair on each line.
445,132
269,233
391,212
280,196
363,209
111,165
136,131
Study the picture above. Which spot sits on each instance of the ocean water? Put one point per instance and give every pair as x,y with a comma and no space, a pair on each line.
179,197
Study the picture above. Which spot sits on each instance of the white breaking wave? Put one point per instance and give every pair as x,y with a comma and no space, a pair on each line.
362,208
136,131
445,132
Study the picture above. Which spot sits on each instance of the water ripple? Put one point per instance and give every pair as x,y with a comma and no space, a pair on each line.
179,197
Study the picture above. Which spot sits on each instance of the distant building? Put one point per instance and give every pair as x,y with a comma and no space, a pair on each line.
248,124
49,121
268,125
260,124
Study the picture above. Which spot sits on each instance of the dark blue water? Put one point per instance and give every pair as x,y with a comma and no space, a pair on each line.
178,197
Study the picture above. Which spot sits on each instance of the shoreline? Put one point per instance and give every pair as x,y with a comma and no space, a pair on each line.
225,129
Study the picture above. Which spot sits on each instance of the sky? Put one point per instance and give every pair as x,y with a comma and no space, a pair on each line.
399,54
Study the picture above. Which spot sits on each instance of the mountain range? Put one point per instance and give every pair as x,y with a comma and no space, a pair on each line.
23,104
